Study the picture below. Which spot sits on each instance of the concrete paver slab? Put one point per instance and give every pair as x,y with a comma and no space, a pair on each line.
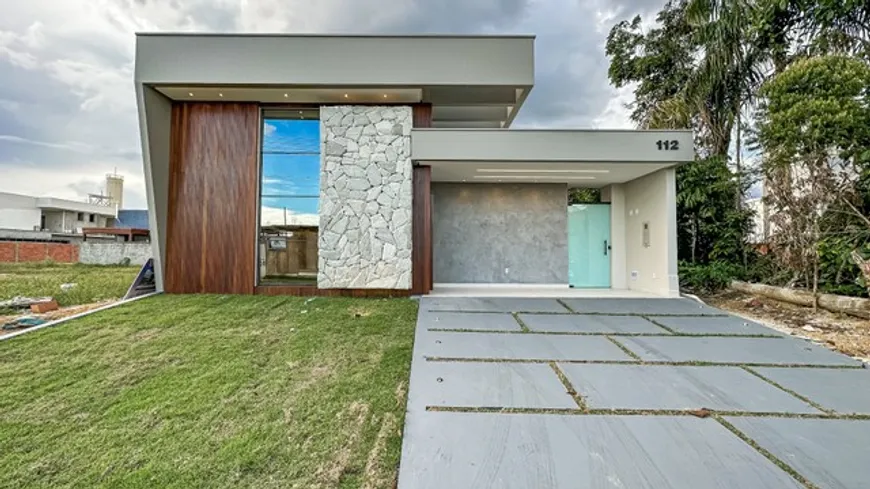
715,325
528,346
585,323
831,453
642,306
491,304
489,321
543,451
773,351
501,385
666,387
846,391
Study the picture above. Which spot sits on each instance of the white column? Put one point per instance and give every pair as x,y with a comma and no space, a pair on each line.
618,274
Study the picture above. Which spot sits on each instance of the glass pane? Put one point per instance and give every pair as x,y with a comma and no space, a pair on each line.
290,189
289,211
291,136
291,175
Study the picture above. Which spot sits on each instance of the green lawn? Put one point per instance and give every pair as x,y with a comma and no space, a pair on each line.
209,391
95,282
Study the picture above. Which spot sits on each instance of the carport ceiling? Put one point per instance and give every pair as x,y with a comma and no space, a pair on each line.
452,107
593,175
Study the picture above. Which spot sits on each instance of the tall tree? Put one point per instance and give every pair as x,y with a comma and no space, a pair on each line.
676,90
815,126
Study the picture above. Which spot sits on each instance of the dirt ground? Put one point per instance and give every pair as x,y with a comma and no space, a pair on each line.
51,316
846,334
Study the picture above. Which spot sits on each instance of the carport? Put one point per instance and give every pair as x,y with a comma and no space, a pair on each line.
500,213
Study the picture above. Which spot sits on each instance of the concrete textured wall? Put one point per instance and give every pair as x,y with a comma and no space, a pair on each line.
114,253
500,233
652,199
365,198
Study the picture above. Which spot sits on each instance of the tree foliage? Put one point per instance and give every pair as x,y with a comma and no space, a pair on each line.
676,88
702,65
814,124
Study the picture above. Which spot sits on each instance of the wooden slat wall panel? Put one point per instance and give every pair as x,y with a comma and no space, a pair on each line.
302,290
422,115
211,225
421,251
421,232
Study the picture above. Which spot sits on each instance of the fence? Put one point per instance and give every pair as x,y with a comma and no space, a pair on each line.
95,253
22,252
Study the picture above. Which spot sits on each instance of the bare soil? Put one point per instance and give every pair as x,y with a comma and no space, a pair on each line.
52,315
841,332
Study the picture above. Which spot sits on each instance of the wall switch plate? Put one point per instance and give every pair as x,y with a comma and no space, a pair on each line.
634,274
507,271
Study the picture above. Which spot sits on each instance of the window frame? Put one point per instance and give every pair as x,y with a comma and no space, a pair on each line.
271,111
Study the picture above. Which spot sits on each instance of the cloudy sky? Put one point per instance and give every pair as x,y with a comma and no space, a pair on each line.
67,108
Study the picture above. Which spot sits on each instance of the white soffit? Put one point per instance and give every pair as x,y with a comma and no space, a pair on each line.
471,81
592,174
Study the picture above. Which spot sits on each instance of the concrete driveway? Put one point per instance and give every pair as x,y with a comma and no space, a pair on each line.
626,393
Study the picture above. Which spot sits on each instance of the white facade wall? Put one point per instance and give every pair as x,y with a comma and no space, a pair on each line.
651,264
19,212
69,222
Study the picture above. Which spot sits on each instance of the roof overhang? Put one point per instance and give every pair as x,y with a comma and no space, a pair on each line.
471,81
54,204
580,158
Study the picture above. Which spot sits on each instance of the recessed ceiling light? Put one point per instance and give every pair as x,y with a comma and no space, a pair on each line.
345,95
285,95
385,95
300,111
190,93
529,170
537,177
220,95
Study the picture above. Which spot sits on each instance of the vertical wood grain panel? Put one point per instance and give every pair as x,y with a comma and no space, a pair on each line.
422,115
211,225
421,232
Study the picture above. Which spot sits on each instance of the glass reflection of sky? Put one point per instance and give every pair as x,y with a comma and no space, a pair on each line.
291,169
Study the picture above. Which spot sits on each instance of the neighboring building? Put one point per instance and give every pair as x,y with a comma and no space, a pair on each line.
390,158
26,213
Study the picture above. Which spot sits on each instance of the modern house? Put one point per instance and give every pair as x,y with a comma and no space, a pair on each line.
386,165
28,213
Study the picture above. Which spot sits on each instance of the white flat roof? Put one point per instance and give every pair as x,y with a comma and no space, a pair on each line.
581,158
52,203
471,81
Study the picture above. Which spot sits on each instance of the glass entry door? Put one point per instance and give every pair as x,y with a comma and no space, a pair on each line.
589,245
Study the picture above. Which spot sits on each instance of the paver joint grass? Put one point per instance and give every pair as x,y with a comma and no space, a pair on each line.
209,391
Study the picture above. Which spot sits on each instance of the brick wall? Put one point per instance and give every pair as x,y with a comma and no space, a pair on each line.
20,251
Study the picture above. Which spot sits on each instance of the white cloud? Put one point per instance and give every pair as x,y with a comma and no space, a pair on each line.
278,216
67,106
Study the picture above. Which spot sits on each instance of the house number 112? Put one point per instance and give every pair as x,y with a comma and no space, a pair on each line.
671,145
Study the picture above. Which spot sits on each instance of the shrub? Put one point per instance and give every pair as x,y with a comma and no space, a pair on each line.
710,277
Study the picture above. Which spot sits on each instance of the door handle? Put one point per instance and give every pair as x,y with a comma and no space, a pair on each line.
605,247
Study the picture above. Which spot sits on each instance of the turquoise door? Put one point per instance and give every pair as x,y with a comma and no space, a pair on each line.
589,245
